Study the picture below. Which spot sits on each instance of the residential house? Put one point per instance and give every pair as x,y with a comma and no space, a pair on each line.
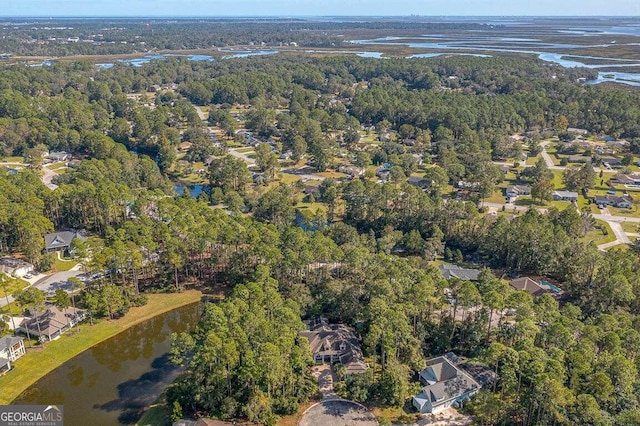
52,322
528,285
185,146
15,267
626,179
612,163
11,348
335,343
468,185
419,181
577,131
445,384
382,173
61,240
352,171
565,196
513,191
154,88
612,200
455,271
311,191
59,156
579,159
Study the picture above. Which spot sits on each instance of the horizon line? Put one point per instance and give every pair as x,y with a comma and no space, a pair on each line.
312,16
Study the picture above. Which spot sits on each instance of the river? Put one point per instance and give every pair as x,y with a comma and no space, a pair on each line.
113,382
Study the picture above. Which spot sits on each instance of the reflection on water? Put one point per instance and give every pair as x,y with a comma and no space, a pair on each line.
116,380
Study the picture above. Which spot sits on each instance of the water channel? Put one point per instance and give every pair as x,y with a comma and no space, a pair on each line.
113,382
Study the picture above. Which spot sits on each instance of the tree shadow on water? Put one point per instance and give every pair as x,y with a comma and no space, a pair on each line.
135,395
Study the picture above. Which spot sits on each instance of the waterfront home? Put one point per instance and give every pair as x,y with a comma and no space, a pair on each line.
51,323
11,348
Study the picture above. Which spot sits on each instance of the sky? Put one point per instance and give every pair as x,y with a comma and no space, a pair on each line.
53,8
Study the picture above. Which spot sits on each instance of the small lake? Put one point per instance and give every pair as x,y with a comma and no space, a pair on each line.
194,190
113,382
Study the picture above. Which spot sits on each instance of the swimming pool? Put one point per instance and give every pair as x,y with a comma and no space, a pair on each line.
551,286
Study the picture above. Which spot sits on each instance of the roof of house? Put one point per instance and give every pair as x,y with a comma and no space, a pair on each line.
8,341
335,340
626,178
50,321
455,271
61,239
451,382
610,199
528,285
566,194
519,188
9,264
417,181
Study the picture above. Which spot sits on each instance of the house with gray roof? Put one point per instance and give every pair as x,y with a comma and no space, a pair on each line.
52,322
335,343
455,271
11,348
61,240
15,267
565,196
613,200
445,384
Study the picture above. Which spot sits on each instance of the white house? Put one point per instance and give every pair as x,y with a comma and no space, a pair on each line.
11,348
15,267
565,196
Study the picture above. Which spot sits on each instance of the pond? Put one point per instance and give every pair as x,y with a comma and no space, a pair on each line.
113,382
194,190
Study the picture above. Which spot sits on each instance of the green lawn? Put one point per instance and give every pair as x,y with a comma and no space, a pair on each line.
156,415
12,160
630,227
64,265
14,286
597,237
37,363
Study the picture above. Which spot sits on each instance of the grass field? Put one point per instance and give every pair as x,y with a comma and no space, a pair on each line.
64,265
14,286
37,363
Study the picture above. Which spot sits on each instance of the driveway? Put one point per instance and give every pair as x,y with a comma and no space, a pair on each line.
58,280
326,378
448,417
338,413
48,176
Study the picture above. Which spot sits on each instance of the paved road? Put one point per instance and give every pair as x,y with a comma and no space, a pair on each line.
338,413
47,177
549,161
250,161
49,284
